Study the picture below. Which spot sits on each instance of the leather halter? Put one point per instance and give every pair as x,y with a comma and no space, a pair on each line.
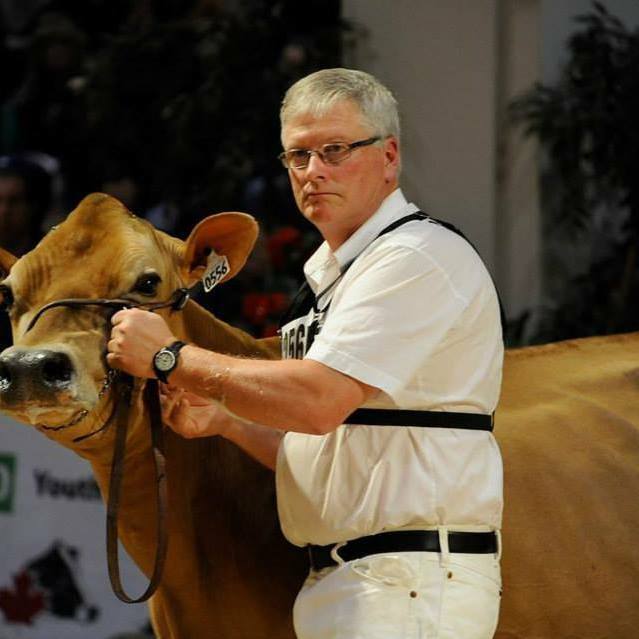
123,389
177,302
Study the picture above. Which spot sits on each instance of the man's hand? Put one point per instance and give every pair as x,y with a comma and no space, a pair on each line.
190,415
136,337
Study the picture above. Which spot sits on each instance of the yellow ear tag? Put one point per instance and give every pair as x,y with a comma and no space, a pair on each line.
217,268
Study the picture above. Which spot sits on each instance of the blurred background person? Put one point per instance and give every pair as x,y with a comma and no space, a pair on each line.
25,198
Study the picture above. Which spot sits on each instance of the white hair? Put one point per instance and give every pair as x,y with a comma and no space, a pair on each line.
318,92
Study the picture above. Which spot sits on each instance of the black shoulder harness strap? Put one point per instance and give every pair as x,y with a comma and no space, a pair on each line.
304,300
424,418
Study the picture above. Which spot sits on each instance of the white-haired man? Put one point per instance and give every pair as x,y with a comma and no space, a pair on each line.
400,502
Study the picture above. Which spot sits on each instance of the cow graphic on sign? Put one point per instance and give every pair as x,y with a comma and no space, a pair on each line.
47,584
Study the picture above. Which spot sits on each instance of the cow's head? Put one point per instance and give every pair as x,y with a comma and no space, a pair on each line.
54,375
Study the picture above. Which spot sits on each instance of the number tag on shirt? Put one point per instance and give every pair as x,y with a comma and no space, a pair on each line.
299,334
218,267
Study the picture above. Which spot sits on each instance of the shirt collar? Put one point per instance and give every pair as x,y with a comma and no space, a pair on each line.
392,208
325,261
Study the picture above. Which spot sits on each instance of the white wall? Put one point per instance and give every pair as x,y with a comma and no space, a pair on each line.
453,66
439,60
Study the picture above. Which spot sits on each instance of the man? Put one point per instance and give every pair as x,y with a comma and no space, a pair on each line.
400,507
25,193
24,197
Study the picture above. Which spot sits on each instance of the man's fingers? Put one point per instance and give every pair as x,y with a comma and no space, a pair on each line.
175,410
118,317
168,412
112,360
178,418
121,315
172,394
166,403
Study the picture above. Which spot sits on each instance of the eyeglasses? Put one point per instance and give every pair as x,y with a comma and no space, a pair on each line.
332,153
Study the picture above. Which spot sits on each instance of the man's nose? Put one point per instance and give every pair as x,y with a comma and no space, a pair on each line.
316,167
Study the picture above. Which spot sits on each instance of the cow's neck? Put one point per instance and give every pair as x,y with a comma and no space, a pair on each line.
202,328
218,497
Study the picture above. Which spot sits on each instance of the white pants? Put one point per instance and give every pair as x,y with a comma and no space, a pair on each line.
412,595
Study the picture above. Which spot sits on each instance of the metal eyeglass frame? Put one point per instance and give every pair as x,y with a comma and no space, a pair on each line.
321,153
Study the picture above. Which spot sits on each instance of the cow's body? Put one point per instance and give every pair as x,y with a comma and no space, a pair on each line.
568,425
229,571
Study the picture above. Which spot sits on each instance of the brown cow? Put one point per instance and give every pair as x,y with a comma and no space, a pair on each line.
568,426
229,571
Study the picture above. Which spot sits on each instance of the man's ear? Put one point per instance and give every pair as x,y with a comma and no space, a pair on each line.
391,159
7,260
229,235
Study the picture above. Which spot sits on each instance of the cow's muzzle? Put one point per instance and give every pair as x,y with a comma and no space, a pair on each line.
30,374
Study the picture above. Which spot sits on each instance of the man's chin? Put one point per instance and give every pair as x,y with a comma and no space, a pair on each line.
317,212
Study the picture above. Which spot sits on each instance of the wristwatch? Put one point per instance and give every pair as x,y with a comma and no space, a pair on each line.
166,359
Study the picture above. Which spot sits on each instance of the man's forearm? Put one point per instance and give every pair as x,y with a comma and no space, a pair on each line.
299,395
260,442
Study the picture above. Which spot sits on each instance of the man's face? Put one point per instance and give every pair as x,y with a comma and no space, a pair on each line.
339,199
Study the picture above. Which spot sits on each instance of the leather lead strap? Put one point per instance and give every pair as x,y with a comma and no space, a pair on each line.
123,392
152,401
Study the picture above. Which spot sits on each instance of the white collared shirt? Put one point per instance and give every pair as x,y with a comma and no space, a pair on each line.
417,316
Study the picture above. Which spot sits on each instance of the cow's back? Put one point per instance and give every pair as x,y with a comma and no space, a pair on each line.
568,426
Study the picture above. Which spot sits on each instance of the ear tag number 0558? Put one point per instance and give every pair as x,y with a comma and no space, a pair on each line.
218,267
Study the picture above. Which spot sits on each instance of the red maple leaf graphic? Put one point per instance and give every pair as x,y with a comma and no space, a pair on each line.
21,604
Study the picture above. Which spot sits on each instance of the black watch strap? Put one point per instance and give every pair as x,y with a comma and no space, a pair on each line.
163,373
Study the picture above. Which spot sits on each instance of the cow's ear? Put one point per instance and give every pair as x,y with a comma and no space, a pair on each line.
7,260
218,248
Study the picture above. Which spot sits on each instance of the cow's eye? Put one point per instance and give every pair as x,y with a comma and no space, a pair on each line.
147,284
6,298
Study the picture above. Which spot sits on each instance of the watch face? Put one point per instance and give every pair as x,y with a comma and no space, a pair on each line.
165,360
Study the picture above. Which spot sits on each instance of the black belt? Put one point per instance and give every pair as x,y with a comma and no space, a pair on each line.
425,418
403,541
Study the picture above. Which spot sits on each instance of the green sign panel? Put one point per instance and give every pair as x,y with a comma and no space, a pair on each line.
7,482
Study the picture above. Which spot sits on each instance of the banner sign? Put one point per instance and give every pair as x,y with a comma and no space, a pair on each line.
7,482
53,574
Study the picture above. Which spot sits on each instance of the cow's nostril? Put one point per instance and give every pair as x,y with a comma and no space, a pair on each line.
57,369
5,377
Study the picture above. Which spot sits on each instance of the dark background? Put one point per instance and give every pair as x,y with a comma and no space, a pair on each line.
170,105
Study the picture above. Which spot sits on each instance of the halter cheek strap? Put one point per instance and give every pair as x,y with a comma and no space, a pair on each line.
176,302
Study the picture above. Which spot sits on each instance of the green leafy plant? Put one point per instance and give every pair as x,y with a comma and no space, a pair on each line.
588,127
188,107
